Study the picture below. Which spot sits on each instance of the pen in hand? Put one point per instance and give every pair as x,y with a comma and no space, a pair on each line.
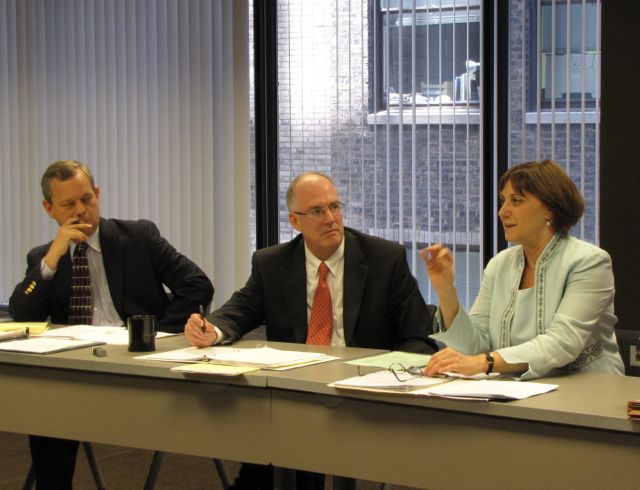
202,316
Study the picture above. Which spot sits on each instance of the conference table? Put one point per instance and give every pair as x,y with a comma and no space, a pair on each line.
121,400
577,436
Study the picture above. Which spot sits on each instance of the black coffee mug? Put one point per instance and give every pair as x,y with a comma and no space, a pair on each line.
142,333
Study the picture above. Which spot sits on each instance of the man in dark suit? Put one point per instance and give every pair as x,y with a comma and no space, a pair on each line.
375,300
130,263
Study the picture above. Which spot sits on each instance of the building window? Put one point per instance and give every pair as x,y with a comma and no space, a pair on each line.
554,95
367,93
409,172
430,52
569,53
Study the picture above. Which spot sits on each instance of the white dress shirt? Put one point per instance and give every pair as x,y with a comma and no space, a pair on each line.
335,281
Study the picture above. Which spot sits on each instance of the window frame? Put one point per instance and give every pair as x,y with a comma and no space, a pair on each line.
378,30
536,84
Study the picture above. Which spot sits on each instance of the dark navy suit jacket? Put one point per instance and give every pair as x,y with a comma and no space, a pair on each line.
138,262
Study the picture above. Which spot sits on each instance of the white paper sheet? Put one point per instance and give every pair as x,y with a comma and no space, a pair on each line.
108,334
386,380
488,389
264,357
45,345
468,389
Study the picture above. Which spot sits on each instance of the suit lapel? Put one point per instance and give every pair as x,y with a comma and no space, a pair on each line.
63,276
113,259
355,277
294,280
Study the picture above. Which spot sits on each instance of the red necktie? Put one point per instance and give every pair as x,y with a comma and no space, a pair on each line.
80,301
321,322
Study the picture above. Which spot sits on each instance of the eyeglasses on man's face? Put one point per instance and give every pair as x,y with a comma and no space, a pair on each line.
335,208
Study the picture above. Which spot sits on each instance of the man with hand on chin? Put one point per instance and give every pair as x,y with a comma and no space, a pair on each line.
127,266
373,299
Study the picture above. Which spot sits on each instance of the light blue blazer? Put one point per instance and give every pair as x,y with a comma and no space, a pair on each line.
565,321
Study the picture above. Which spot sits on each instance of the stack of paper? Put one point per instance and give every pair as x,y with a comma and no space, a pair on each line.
486,389
260,357
466,389
210,368
72,337
108,334
385,381
45,345
633,409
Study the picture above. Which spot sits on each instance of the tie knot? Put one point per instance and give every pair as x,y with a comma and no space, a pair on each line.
81,249
323,270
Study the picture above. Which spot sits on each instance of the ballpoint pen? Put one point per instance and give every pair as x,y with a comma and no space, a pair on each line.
202,316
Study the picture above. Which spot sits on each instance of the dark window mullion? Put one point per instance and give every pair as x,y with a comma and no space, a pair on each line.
266,121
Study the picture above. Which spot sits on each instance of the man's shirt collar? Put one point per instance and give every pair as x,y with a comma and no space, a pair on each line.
313,262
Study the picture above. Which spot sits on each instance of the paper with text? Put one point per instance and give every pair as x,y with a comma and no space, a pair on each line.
263,357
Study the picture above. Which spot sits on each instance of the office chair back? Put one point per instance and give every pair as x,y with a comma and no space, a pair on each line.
629,346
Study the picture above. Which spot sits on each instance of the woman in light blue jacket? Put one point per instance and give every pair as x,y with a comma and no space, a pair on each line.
543,305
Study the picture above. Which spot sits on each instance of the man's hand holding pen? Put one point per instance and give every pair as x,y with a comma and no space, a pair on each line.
199,331
203,318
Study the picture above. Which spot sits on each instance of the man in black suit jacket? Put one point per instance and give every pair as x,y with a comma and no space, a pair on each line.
130,263
376,300
138,263
382,305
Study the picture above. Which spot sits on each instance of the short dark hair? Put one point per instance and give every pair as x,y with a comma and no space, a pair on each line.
548,182
298,178
63,170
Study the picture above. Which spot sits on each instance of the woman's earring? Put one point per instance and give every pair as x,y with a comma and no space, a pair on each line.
547,221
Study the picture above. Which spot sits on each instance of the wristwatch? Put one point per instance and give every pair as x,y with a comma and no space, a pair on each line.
490,362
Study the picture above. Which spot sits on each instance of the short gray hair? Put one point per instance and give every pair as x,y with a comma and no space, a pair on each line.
63,170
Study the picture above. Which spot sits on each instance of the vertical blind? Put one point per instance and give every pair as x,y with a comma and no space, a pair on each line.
554,97
384,97
143,92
